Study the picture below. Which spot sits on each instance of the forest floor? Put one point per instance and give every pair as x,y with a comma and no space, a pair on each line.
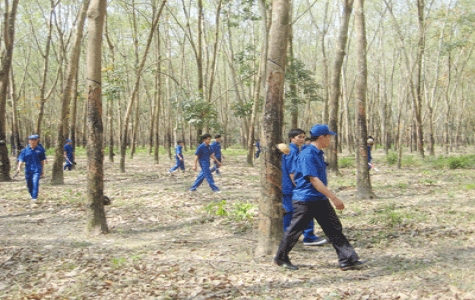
165,243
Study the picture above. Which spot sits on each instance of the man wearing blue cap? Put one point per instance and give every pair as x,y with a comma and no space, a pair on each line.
203,154
297,138
311,201
34,158
68,155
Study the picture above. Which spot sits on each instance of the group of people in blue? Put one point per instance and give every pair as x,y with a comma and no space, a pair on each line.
205,152
34,158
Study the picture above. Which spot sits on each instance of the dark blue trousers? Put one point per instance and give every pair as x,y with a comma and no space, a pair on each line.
204,174
179,164
33,183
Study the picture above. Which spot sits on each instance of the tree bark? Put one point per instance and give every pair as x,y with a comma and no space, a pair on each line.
96,216
363,182
259,83
335,91
270,205
63,123
6,63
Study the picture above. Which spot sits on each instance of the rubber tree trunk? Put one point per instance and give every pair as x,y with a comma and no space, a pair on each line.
270,203
63,122
335,91
363,182
96,216
6,63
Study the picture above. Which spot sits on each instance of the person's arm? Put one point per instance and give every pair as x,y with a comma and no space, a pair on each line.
319,186
42,168
18,169
195,167
65,154
214,158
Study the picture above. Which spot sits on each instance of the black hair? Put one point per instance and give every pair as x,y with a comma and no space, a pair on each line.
295,132
205,136
308,139
179,142
217,136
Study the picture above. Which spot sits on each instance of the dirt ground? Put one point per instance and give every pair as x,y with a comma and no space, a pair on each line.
166,243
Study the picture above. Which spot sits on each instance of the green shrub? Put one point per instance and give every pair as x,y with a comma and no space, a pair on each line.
242,211
217,208
346,162
391,158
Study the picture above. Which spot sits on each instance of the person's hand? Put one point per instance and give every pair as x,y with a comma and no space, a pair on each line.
18,170
219,163
194,168
338,203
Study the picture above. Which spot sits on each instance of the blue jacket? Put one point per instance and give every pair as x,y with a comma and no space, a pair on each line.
288,162
204,153
216,146
32,158
69,151
179,151
310,163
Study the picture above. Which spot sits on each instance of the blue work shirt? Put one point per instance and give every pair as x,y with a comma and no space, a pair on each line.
310,163
288,162
204,153
69,150
32,158
369,154
179,151
216,146
258,145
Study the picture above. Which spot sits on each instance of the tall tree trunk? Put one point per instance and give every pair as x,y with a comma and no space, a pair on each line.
57,176
96,216
335,91
123,138
15,132
6,63
259,82
270,203
419,88
363,182
43,96
157,101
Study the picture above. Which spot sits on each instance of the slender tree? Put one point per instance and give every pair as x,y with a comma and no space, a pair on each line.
363,182
63,122
96,215
335,91
270,205
6,57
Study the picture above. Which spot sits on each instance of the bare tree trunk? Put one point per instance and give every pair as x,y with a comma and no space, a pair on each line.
419,87
335,91
6,63
14,99
96,216
43,97
123,139
270,203
259,82
363,182
57,177
157,101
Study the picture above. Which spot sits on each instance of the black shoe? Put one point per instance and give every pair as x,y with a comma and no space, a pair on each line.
357,265
285,264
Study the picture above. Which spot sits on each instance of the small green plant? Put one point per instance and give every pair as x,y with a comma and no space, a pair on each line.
470,186
217,208
242,211
391,158
118,262
346,162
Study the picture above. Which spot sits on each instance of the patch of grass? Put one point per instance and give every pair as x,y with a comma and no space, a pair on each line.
452,162
217,208
391,217
411,161
80,244
346,162
118,262
391,158
243,211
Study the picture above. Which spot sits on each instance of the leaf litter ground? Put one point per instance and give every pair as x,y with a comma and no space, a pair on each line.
167,243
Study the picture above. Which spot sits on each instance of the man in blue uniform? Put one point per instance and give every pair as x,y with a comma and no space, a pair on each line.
203,154
34,158
296,137
311,201
258,148
68,155
216,146
369,144
180,159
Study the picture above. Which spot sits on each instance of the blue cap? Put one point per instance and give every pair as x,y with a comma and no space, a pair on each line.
33,137
320,129
68,141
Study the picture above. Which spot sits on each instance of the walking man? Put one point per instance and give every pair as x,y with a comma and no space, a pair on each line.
180,159
216,146
297,137
311,201
33,156
68,155
203,154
